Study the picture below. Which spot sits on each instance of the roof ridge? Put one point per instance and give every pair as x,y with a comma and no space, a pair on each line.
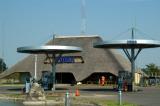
76,36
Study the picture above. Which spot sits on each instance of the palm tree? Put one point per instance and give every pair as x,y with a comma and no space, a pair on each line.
152,70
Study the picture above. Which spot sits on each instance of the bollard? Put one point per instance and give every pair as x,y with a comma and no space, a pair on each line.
120,97
67,101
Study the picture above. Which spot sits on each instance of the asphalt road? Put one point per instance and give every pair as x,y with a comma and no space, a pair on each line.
147,96
150,96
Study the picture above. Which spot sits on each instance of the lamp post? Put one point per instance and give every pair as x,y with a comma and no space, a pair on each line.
35,68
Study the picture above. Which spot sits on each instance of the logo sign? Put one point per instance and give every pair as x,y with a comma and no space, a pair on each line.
65,59
131,41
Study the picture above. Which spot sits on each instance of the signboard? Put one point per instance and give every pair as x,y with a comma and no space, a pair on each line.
65,59
131,42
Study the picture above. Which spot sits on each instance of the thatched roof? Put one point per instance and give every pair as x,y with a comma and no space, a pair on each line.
95,60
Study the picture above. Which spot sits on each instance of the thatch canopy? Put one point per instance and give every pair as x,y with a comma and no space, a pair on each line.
95,60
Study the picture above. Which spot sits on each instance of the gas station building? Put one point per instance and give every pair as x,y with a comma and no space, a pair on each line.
86,67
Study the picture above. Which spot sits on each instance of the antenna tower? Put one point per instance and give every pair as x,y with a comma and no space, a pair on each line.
83,17
2,44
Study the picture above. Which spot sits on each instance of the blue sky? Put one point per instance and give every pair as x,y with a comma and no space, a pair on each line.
33,22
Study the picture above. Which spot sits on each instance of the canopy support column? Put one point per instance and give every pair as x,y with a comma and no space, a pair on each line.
132,57
133,68
127,54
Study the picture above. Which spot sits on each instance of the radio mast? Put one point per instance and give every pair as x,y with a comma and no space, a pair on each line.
2,45
83,17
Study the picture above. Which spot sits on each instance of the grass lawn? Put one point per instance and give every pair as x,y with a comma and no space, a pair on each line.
60,96
77,100
100,102
114,103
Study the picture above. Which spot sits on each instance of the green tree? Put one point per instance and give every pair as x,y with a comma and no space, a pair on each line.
152,70
3,65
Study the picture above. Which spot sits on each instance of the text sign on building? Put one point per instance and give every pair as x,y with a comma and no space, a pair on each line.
65,59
